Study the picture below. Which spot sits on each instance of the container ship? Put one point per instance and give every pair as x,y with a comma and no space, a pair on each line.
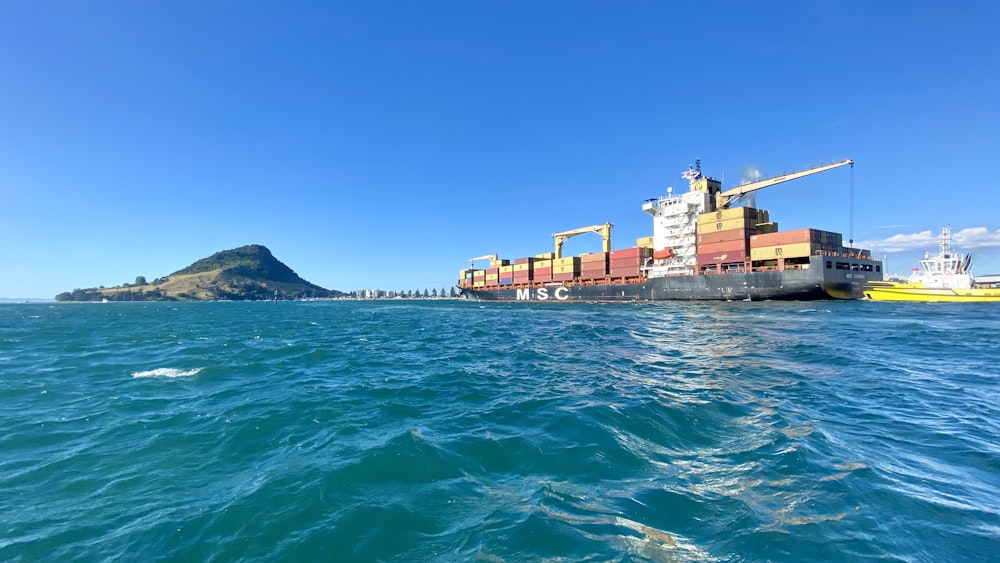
704,247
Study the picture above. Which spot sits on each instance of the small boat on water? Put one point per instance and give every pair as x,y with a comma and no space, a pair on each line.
942,277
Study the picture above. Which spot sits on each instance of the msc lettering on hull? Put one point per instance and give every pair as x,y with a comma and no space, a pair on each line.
543,294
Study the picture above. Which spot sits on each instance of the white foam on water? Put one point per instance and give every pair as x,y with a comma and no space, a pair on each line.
166,372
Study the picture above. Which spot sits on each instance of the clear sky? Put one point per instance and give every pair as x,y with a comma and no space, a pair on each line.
384,144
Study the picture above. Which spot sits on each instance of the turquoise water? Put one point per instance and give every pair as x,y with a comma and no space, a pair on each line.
456,431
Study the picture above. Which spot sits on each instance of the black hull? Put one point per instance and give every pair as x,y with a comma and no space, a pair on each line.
843,279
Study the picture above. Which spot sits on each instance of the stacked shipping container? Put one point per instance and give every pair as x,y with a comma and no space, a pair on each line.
727,239
565,269
800,243
628,262
593,266
523,270
724,236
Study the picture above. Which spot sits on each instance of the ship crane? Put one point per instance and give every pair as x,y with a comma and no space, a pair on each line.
604,230
490,257
724,199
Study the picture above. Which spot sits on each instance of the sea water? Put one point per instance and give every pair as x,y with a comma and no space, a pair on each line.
443,430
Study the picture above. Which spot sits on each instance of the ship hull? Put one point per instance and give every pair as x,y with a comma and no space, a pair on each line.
815,282
915,292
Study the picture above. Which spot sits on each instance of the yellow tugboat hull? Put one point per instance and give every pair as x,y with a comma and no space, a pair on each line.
902,291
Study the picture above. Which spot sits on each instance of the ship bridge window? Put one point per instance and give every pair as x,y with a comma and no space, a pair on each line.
878,268
843,266
829,264
868,267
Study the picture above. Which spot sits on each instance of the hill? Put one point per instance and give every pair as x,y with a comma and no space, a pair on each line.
246,273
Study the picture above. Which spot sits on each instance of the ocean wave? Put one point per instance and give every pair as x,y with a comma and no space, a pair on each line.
166,372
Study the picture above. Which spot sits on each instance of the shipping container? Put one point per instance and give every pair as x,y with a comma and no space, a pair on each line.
644,242
520,261
723,257
523,266
724,246
569,269
563,277
794,250
726,225
625,272
751,215
724,236
506,282
765,228
562,265
543,274
798,235
506,270
545,256
594,257
543,264
633,252
627,263
499,263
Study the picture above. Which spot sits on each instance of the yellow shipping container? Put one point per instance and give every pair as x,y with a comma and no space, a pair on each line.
492,277
755,215
479,284
506,269
547,263
644,242
566,269
546,256
522,267
564,261
725,225
797,250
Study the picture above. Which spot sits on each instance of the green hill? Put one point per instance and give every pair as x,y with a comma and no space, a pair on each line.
246,273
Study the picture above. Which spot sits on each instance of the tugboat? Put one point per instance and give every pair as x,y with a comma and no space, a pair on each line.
942,277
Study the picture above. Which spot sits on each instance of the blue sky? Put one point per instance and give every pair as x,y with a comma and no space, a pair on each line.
383,144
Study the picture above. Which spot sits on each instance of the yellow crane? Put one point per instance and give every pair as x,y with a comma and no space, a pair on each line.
604,230
723,199
491,257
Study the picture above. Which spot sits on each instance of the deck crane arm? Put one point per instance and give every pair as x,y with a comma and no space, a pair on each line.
604,230
725,198
490,257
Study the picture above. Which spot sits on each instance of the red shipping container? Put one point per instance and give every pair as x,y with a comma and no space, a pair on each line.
633,252
626,272
722,257
723,236
798,235
626,262
594,258
562,277
524,260
725,246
